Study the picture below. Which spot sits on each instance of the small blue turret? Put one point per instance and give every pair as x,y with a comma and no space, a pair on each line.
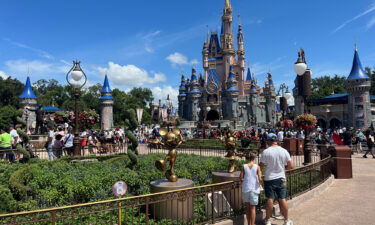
106,102
357,71
249,78
28,92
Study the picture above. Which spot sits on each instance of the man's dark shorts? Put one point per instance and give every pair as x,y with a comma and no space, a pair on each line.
275,189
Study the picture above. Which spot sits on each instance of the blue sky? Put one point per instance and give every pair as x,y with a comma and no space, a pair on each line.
149,43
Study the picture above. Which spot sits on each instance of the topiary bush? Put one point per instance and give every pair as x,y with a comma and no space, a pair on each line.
59,182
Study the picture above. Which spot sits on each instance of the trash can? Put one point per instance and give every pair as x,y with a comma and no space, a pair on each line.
342,162
290,144
300,143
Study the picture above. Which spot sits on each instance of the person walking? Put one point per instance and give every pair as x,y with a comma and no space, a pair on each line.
15,140
68,142
58,145
6,144
274,159
370,143
251,178
51,136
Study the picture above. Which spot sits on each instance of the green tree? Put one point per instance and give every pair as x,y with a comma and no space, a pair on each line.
8,116
326,85
10,90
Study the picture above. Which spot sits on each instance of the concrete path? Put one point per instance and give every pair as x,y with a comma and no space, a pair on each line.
345,202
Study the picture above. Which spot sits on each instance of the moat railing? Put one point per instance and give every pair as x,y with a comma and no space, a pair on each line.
196,205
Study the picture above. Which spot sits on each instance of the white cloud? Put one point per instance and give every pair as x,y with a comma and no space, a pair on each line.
40,52
162,93
3,75
178,59
35,67
367,11
23,66
194,62
370,23
130,75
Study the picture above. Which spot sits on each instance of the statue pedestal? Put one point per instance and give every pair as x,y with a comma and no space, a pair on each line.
234,196
179,207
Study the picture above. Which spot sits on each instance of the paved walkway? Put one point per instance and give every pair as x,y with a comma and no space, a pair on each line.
345,202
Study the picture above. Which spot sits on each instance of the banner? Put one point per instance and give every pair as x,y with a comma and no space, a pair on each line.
164,114
139,115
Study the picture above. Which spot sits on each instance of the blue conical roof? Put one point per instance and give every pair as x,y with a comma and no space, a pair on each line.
222,28
231,75
193,75
28,90
270,81
248,76
106,88
357,70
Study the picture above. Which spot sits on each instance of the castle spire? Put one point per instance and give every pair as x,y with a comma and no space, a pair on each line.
106,103
106,88
28,92
357,71
227,4
249,78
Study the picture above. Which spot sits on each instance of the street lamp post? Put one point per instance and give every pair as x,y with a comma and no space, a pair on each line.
74,79
304,89
283,98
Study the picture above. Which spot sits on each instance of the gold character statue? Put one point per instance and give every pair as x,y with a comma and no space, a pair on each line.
171,140
230,141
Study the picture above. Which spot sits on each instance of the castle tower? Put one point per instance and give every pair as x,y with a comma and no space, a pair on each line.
194,95
230,104
106,102
358,85
227,38
254,102
28,104
270,96
182,97
241,60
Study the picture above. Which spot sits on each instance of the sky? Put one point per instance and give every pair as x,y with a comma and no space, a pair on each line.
148,43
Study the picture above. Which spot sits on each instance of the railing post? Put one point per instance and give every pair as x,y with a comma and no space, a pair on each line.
290,186
310,178
200,151
212,205
147,210
53,217
119,213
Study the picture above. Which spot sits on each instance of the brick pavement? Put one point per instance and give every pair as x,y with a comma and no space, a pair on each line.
345,202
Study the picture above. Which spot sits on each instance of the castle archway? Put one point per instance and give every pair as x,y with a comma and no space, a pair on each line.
334,123
212,115
322,123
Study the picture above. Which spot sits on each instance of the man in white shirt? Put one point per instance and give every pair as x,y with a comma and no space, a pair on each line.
15,140
15,137
274,160
280,136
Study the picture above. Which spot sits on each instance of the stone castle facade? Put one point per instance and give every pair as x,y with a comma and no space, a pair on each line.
223,92
356,108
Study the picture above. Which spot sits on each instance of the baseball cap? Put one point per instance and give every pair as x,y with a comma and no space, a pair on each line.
271,137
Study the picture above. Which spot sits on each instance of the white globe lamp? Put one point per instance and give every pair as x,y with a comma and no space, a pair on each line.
76,75
300,68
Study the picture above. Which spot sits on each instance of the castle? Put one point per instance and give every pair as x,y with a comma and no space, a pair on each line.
223,93
356,108
29,105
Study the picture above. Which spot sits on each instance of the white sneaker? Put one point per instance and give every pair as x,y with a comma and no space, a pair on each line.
267,222
289,222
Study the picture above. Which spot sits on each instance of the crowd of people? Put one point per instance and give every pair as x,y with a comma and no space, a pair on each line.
60,141
9,139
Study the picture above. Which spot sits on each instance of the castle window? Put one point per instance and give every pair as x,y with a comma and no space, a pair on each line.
359,123
358,99
358,107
